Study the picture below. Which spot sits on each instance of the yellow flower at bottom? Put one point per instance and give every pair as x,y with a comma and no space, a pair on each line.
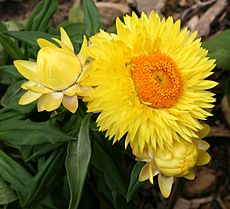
55,77
176,162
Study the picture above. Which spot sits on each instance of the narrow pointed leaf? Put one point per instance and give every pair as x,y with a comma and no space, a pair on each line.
134,184
46,177
25,132
91,17
9,75
7,194
104,163
77,162
41,15
14,174
11,47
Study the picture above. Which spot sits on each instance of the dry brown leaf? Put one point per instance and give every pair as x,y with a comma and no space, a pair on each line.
192,23
109,11
203,27
196,203
182,203
204,181
148,6
225,109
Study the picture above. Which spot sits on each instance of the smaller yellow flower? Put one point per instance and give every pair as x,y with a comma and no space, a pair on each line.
55,77
177,162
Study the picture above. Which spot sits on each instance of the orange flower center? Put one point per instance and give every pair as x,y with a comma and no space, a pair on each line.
157,80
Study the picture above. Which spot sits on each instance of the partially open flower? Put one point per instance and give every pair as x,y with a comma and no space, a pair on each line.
177,162
55,77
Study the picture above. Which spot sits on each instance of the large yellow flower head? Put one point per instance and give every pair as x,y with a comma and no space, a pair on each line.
171,163
149,82
54,78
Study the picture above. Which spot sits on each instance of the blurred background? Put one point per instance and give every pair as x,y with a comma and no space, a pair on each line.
208,17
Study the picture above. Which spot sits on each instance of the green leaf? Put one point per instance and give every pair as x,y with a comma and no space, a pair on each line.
15,25
41,15
134,183
219,49
7,194
76,13
13,173
29,37
7,113
103,162
11,97
91,17
2,27
9,75
77,162
119,202
46,177
25,132
11,47
41,150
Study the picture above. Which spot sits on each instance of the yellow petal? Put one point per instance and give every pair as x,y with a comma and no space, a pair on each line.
57,68
45,43
52,101
84,91
41,103
144,174
65,39
63,45
39,88
83,55
190,176
70,103
71,91
165,184
202,145
203,158
29,97
27,68
204,132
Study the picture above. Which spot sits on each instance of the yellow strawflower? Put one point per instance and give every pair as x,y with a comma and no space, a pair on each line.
54,78
170,163
149,82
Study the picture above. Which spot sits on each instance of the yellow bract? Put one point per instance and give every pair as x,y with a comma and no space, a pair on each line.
55,77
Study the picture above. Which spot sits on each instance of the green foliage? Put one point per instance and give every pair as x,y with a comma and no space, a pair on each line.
134,184
91,17
11,47
41,15
29,37
77,162
76,14
219,49
9,75
7,195
55,160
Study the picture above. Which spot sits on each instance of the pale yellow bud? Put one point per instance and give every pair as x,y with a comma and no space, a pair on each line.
57,68
178,161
